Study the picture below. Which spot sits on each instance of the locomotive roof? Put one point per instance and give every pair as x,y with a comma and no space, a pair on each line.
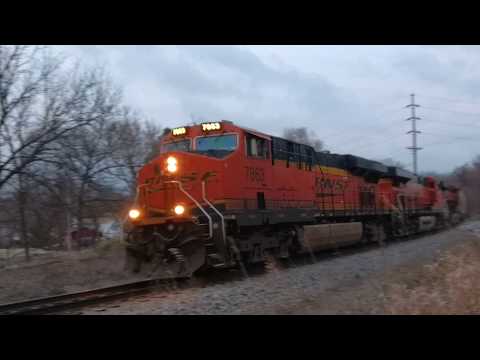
347,161
255,132
344,161
359,165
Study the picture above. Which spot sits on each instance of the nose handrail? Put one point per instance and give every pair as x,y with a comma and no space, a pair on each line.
222,218
210,224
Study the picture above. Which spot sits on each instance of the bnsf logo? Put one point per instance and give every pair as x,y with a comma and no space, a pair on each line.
331,184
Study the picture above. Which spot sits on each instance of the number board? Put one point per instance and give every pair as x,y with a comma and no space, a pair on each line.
211,126
179,131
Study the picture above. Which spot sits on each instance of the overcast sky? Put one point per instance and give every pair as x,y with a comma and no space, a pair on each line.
353,97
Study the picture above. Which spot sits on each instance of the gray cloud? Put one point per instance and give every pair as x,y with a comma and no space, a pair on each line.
227,81
351,96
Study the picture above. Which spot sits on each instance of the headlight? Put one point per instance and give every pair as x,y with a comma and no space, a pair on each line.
179,209
171,164
134,214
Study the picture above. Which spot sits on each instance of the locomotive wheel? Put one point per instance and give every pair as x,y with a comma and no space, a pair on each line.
179,261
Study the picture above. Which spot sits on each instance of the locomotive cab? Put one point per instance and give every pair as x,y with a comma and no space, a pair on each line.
172,182
183,193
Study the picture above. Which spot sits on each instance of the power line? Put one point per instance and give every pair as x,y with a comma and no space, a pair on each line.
470,125
449,99
452,136
343,134
350,140
443,143
452,111
413,118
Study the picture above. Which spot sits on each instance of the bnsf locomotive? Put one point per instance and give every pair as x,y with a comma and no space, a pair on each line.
219,195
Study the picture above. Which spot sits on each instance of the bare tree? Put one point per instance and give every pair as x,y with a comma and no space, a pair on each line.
68,149
101,161
85,159
40,103
303,136
467,177
136,141
23,136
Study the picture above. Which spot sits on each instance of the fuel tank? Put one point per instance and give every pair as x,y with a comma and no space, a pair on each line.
326,236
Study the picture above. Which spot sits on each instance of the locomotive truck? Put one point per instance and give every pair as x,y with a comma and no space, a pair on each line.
219,195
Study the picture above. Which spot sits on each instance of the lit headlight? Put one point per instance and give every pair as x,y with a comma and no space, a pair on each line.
134,214
179,209
171,164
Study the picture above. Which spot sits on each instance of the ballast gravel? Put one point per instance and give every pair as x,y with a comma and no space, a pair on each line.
350,283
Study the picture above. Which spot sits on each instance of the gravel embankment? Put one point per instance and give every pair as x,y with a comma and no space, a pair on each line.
350,284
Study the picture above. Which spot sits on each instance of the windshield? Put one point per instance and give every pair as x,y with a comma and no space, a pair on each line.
183,145
221,142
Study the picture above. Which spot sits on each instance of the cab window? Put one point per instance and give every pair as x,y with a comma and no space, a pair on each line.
257,147
219,143
182,145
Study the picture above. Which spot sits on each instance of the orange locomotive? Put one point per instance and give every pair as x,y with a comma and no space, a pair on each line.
219,195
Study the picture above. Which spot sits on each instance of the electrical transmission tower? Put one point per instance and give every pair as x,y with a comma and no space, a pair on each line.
414,133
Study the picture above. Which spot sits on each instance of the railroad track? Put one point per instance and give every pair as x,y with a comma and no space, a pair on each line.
81,299
52,304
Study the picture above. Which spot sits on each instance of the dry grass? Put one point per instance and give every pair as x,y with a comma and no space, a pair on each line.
62,271
105,247
449,286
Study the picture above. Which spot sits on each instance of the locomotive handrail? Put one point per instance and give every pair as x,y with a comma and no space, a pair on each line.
210,224
204,195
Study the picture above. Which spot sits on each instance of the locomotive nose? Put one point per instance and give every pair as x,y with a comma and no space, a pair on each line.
169,182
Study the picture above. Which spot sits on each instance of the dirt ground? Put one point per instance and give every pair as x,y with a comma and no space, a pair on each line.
57,272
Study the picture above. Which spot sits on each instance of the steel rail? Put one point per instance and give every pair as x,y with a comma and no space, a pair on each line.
83,298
